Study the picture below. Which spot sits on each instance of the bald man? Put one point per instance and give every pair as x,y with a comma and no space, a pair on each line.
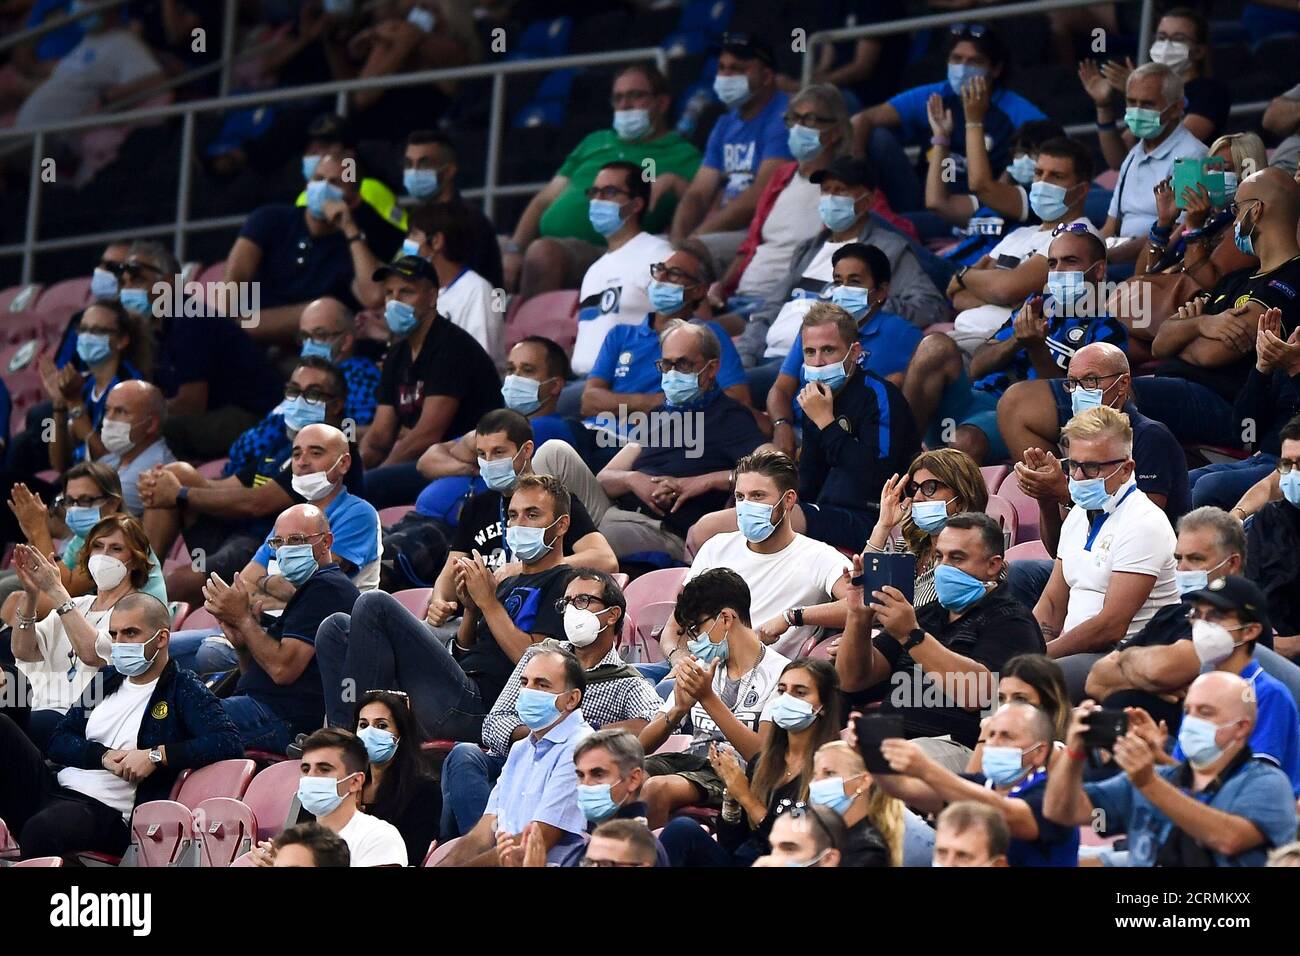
279,693
1206,349
132,431
328,329
1221,807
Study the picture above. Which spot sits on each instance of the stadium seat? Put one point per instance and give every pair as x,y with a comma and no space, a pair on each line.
213,273
939,328
70,293
438,851
551,314
1025,506
226,828
675,744
225,778
162,834
621,579
41,861
198,618
706,817
994,475
21,327
1005,513
8,845
212,469
640,633
1028,551
179,611
19,357
390,516
415,600
15,298
50,475
273,798
245,860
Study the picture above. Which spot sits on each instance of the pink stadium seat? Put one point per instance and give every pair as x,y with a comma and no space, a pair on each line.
198,618
620,579
650,601
10,297
226,829
22,356
213,273
42,861
1026,508
162,831
225,778
639,632
70,293
415,600
49,474
994,475
8,845
272,795
675,744
1107,179
179,610
245,860
54,319
553,315
1028,551
438,851
390,516
19,327
212,469
1005,513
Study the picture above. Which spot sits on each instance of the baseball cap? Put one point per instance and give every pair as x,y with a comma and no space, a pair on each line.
331,128
746,47
851,171
1235,593
408,267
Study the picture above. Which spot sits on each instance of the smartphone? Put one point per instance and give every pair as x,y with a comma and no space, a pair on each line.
1194,171
896,570
1105,726
871,730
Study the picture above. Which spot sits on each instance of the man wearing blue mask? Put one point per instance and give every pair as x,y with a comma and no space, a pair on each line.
137,727
331,134
1114,564
327,329
941,662
1018,746
279,689
437,381
1219,807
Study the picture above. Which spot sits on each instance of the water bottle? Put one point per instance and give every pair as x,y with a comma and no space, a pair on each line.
730,807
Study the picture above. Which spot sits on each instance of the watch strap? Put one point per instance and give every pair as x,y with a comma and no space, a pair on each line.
914,637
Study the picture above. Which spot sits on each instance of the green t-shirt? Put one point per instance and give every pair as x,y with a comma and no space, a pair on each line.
155,585
567,216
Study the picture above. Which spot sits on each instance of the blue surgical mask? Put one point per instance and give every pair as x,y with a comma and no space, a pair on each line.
528,544
832,376
1082,399
595,802
1002,765
732,90
804,142
309,164
837,212
93,347
666,297
755,520
313,349
410,247
1196,737
792,713
680,388
959,73
319,796
956,589
400,316
299,413
930,516
1047,200
521,394
1067,288
498,475
1143,123
104,284
1229,184
380,744
1289,484
81,520
320,192
631,124
1189,581
420,183
297,562
829,792
1090,493
852,299
135,301
1245,244
604,216
1022,169
706,650
129,659
537,708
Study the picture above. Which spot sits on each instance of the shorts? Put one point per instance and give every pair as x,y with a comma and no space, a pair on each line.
224,552
965,405
1064,407
838,527
694,768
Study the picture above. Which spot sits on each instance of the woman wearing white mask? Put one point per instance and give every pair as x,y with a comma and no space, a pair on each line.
61,652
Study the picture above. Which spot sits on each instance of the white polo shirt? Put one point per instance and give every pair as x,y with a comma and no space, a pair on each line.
1131,535
1134,199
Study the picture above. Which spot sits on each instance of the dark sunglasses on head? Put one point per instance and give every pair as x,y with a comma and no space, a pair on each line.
797,810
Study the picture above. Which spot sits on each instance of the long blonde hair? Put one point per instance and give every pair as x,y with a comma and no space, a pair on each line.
884,812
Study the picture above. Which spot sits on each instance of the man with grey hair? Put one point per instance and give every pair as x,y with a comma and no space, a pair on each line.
327,329
132,431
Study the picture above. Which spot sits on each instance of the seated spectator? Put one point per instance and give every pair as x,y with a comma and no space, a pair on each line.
31,63
971,834
1096,598
430,168
538,783
847,187
1217,808
327,329
1205,348
785,569
555,241
381,644
655,488
617,697
1273,540
879,826
952,646
279,689
988,293
310,844
622,843
804,716
131,434
124,743
371,840
1012,780
1036,680
1038,341
973,51
725,697
216,380
400,789
805,835
747,145
436,381
332,135
1282,119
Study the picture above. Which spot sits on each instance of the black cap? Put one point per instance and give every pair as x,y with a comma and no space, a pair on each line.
331,128
746,47
849,170
1235,593
408,267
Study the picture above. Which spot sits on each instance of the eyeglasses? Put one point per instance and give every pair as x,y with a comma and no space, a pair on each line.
1284,465
927,487
311,393
293,540
139,270
1088,382
318,336
798,809
1075,227
83,502
580,601
665,273
606,192
683,365
113,267
1090,469
696,629
807,119
588,861
630,96
975,30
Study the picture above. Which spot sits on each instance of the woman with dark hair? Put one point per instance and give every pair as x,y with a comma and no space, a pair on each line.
399,790
1033,679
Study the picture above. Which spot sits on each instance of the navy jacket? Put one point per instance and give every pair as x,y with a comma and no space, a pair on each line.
182,715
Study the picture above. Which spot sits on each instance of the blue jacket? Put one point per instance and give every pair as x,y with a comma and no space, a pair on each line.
182,715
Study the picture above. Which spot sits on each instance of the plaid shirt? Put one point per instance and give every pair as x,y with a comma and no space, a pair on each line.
362,376
606,702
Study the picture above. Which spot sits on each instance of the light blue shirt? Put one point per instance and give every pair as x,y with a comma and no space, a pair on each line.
156,454
1134,199
539,784
354,522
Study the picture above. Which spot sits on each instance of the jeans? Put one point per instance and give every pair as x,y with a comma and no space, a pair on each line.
896,173
204,651
1193,412
1027,578
689,844
394,485
468,775
259,727
1222,484
381,645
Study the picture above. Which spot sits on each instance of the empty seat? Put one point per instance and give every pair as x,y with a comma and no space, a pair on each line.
18,297
70,293
1026,509
1028,551
41,861
994,475
273,797
162,834
620,579
553,315
415,600
650,600
179,610
226,828
225,778
200,618
1004,512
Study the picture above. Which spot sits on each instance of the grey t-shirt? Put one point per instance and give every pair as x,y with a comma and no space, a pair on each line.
156,454
97,63
1287,153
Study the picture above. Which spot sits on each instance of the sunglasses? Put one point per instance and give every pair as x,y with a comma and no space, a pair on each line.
1075,227
927,487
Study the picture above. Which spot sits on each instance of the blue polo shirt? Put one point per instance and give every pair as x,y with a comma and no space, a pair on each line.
737,147
354,522
888,342
1056,845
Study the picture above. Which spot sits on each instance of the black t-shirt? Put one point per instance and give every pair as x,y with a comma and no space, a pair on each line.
482,528
1167,626
418,821
450,363
992,632
302,702
1209,97
865,847
297,266
383,237
217,351
529,599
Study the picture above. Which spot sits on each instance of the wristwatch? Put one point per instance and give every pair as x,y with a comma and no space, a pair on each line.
155,756
914,637
359,237
960,276
65,607
183,494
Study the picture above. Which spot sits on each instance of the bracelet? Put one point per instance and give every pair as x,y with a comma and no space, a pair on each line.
970,123
1238,508
940,141
1108,125
782,421
1160,233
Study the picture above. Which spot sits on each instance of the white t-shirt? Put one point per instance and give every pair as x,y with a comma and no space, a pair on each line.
51,686
98,62
752,692
373,842
468,303
115,723
788,322
972,327
614,293
801,573
794,219
1136,538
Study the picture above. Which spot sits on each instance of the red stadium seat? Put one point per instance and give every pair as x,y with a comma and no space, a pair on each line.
21,356
640,631
1028,551
225,778
390,516
42,861
162,834
19,327
245,860
553,315
55,319
226,828
415,600
438,851
994,475
1025,506
273,797
198,618
1005,513
69,294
